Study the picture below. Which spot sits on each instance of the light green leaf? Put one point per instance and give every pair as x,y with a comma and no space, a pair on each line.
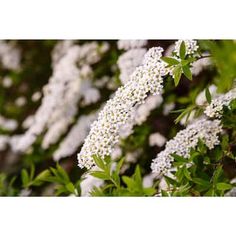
187,72
170,60
223,186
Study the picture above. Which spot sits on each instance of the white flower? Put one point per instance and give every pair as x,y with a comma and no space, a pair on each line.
215,108
128,61
4,139
156,139
72,141
201,98
8,124
186,139
20,101
200,65
7,82
190,45
129,44
104,133
36,96
59,104
88,183
10,55
168,108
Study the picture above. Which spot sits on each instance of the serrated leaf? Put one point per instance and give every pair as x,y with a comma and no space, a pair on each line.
223,186
170,60
182,50
208,95
187,72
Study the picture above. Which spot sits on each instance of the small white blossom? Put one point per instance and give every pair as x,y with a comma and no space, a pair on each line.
7,82
156,139
8,124
20,101
36,96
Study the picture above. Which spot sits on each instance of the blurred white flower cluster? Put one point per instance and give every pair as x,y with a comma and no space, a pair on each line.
130,44
104,133
75,137
71,66
10,55
130,59
186,139
214,110
8,124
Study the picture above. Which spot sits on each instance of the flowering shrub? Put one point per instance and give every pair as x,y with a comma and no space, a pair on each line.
143,118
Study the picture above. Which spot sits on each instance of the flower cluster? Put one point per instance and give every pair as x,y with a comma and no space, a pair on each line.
104,133
8,124
72,141
10,56
62,93
214,110
190,45
186,139
129,44
132,58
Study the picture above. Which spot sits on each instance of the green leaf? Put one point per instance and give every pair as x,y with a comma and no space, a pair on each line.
223,186
187,173
43,175
25,178
182,50
202,182
70,187
129,182
99,162
100,175
208,95
187,72
177,74
170,60
62,173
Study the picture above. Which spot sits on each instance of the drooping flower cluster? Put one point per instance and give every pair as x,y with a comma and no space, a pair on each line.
104,133
214,110
186,139
190,45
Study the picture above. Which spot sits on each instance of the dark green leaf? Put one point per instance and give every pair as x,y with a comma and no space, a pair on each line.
208,95
182,50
